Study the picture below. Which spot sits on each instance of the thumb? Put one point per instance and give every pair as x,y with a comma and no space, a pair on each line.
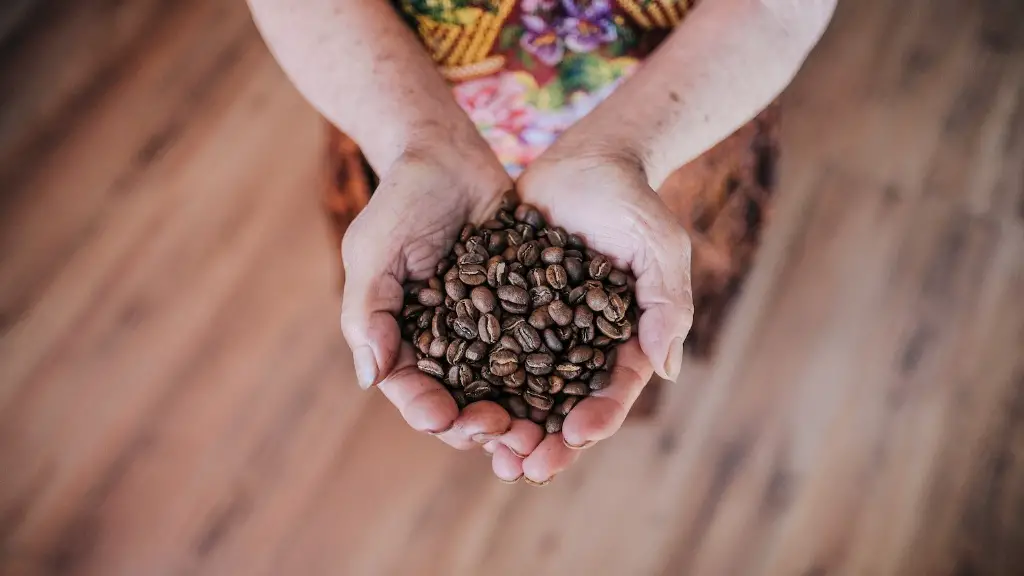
369,303
665,297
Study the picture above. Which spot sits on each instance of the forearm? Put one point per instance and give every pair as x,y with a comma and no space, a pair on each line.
726,63
360,66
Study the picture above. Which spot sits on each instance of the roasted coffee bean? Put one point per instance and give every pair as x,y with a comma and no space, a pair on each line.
539,318
459,250
528,253
575,242
497,272
583,316
465,309
508,201
471,258
430,297
456,351
556,276
566,405
536,277
508,342
478,389
577,295
580,354
476,351
599,268
510,390
526,232
513,308
491,377
555,384
539,416
455,289
435,284
597,300
492,224
460,375
537,384
517,407
553,423
552,341
476,244
528,214
553,255
505,217
573,269
472,274
483,299
617,278
560,312
442,266
423,342
573,253
541,296
465,327
576,389
600,380
489,328
517,279
496,243
412,310
538,401
510,323
557,237
585,375
451,274
431,366
515,379
514,240
587,334
566,334
460,398
616,309
601,341
567,370
424,319
613,331
513,294
527,337
540,363
596,361
467,232
438,347
503,362
439,324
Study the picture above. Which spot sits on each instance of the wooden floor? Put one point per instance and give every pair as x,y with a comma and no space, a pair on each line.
175,396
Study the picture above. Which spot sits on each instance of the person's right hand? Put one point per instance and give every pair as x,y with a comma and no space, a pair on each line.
410,223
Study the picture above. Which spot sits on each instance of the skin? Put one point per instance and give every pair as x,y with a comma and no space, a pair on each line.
360,66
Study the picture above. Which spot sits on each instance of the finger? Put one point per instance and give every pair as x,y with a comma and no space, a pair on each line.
506,466
421,400
491,446
548,459
477,424
601,414
665,296
370,300
523,437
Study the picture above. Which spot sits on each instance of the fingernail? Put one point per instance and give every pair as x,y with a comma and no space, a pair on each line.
484,438
439,432
674,360
513,481
586,444
366,366
535,483
517,454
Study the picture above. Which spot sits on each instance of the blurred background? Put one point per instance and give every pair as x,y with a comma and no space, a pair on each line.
176,398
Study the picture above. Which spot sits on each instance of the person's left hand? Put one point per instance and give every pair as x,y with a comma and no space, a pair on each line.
606,198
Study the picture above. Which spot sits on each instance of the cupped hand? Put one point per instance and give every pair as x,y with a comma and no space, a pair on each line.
606,198
410,223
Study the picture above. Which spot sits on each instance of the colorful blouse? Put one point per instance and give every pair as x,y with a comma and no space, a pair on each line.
526,70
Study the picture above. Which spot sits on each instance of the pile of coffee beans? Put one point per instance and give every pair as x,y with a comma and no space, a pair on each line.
521,313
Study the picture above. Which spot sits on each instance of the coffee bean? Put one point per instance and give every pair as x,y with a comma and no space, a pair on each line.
478,389
538,416
451,274
552,341
430,297
455,289
528,253
596,361
513,294
573,269
483,299
517,407
439,324
412,310
510,323
576,389
560,313
597,300
517,279
587,334
539,318
553,423
503,362
557,277
555,384
566,405
515,379
513,308
601,341
424,319
526,232
557,236
541,296
508,201
613,331
600,380
465,309
438,348
442,266
472,274
456,351
536,277
537,384
539,364
476,244
460,375
567,370
577,295
508,342
467,232
471,258
497,270
493,224
528,214
599,268
496,243
616,309
580,354
583,316
431,366
617,278
514,240
423,342
553,255
476,351
460,398
489,328
527,337
538,401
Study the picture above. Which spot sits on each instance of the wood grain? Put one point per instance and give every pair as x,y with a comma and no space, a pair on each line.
175,397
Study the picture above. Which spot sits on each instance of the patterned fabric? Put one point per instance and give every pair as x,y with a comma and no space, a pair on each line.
526,70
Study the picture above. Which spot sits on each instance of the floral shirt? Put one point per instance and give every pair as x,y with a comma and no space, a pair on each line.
526,70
